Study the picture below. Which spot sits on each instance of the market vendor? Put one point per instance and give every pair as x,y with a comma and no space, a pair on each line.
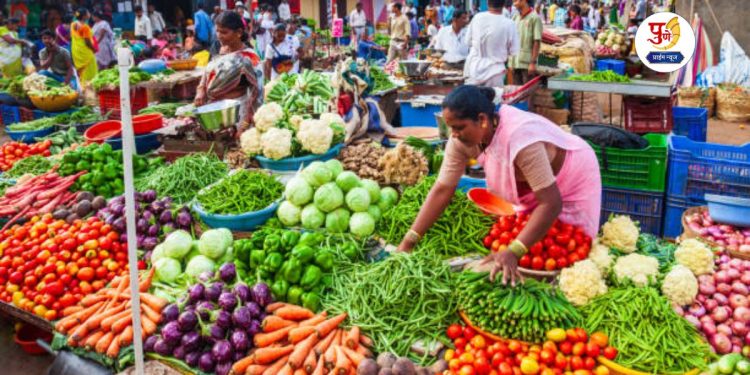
10,49
55,62
452,39
528,161
231,74
282,54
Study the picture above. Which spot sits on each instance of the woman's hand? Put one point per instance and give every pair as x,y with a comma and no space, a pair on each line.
199,100
505,262
407,244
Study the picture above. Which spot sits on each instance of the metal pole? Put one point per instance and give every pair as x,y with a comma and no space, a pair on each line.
128,145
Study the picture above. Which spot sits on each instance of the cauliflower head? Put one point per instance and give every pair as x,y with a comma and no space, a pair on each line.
696,256
277,143
642,270
332,118
582,282
680,286
295,121
621,233
250,142
600,256
315,136
267,116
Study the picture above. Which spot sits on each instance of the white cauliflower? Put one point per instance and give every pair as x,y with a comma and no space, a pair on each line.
680,286
315,136
582,282
34,82
696,256
621,233
267,116
250,142
295,121
277,143
332,118
600,256
642,270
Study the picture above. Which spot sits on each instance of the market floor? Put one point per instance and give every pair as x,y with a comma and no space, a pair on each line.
13,360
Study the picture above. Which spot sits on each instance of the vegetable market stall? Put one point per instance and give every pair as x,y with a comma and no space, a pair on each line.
180,85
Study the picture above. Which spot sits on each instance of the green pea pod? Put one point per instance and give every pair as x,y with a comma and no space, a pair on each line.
303,252
311,277
272,243
273,261
294,295
289,240
257,257
293,272
311,301
324,259
279,289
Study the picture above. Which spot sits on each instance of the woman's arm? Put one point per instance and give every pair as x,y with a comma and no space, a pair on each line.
437,200
200,92
543,216
267,69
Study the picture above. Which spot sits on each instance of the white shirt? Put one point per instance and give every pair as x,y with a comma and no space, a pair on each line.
432,31
143,27
453,44
506,13
157,21
594,18
358,19
491,38
288,47
285,12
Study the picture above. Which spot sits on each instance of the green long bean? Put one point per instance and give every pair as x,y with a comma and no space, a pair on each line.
244,191
183,179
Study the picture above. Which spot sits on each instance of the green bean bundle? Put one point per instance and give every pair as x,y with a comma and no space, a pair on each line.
525,312
650,336
34,165
244,191
398,301
183,179
458,231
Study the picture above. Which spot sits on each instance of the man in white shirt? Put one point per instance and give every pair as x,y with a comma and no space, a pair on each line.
157,21
432,31
452,39
491,38
285,13
358,21
142,29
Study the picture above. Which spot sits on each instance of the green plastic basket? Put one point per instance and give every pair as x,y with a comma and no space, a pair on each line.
644,169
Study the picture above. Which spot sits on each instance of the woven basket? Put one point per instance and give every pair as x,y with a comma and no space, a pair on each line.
55,103
547,276
184,64
689,233
733,103
697,97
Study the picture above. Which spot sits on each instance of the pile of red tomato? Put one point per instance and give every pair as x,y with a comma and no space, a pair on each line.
563,245
569,352
47,265
11,152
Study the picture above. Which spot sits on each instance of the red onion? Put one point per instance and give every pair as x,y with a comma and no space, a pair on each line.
678,309
724,258
734,272
722,276
739,328
742,314
706,279
721,242
736,263
726,228
721,299
724,329
738,300
736,348
692,319
710,304
709,328
724,288
735,340
701,298
747,337
721,343
720,314
706,288
724,267
739,287
745,248
745,232
697,310
745,278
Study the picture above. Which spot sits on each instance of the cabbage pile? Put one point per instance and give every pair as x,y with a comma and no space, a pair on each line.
324,195
197,256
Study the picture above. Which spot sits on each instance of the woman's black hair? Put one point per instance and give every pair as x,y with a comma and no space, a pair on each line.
81,12
98,14
279,27
233,21
468,102
68,18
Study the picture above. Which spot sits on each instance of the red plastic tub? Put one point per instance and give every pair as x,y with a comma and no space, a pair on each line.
143,124
103,130
489,203
26,338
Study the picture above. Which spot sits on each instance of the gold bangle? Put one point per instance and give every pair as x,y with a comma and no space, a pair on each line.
413,235
518,248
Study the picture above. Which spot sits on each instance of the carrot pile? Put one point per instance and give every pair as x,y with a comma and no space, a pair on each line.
37,196
296,341
103,322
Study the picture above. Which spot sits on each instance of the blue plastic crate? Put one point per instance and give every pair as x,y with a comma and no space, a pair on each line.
413,114
643,206
699,168
467,183
729,210
690,122
617,66
524,105
673,210
10,114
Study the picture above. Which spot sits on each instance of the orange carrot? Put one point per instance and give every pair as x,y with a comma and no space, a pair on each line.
96,320
76,318
292,312
329,325
114,347
276,366
264,356
241,366
110,320
104,343
323,345
79,333
71,309
320,367
315,320
275,306
272,323
119,325
254,370
353,356
301,350
300,371
310,362
154,302
126,337
342,362
364,351
300,333
150,313
263,340
351,339
366,341
286,370
145,284
330,356
93,339
92,299
149,327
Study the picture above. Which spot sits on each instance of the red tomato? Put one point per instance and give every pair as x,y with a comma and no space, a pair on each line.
514,346
592,350
497,359
454,331
550,264
582,335
610,353
460,342
566,347
85,274
537,263
576,363
561,362
562,239
482,366
487,241
525,261
579,349
572,258
537,249
547,356
469,333
505,369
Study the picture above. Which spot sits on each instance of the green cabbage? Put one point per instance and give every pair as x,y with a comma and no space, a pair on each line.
214,243
361,224
198,265
335,167
388,198
177,244
375,212
358,199
316,174
347,180
288,213
157,253
338,220
193,252
168,269
312,217
373,188
298,191
328,197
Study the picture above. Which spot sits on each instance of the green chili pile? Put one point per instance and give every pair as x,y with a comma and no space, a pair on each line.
34,165
183,179
458,231
601,76
241,192
398,301
650,336
380,80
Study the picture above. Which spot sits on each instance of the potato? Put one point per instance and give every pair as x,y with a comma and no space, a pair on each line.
404,366
385,371
386,360
367,367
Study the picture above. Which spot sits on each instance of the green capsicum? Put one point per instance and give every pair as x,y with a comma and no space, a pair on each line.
279,289
241,250
273,261
350,250
311,277
303,252
311,239
293,271
256,258
324,259
289,239
294,295
326,281
258,238
272,243
311,301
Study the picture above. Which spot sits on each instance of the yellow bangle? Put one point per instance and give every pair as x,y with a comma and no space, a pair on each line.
412,234
518,248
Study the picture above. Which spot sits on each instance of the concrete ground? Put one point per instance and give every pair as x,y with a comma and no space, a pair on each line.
13,360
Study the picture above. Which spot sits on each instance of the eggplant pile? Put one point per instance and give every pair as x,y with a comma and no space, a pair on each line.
85,204
155,218
213,326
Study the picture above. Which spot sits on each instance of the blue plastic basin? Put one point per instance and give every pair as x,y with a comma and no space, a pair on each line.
293,164
143,143
729,210
28,136
242,222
